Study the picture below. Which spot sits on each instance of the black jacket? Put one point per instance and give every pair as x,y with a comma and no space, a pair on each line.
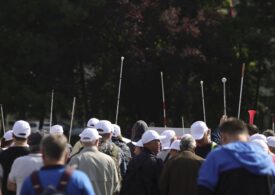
142,175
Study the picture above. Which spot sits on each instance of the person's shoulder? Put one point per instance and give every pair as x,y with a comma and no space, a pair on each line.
20,159
78,177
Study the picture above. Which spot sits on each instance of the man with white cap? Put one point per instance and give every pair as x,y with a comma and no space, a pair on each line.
170,136
105,129
117,140
7,140
271,143
144,169
201,133
99,167
180,173
21,131
78,146
57,130
30,163
175,149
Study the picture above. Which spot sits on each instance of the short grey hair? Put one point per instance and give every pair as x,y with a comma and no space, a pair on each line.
187,142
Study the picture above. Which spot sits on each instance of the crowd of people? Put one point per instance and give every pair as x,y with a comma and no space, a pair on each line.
233,159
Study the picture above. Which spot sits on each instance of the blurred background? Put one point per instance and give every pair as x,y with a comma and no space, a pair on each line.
74,47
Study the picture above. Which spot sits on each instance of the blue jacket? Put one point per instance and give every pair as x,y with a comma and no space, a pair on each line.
237,164
79,183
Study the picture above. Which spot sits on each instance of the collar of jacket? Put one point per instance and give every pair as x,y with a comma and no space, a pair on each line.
90,148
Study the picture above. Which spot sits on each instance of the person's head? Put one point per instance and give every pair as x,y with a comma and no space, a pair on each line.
187,143
92,122
268,133
170,136
262,144
138,129
7,139
21,131
89,137
56,130
201,133
105,129
258,136
117,131
34,141
233,130
271,143
175,148
54,150
151,141
252,129
138,147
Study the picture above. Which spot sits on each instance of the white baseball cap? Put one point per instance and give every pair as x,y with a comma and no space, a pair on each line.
104,127
166,142
21,129
117,131
261,144
92,122
8,135
175,145
271,141
89,134
198,130
151,135
138,144
56,129
258,136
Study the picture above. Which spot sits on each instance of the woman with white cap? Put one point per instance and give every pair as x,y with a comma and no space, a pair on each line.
170,137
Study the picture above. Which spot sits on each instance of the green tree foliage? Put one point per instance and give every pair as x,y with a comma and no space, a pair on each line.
74,47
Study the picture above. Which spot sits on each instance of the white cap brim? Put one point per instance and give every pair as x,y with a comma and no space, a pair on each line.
197,136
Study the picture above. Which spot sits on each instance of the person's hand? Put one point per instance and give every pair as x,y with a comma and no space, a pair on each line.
223,119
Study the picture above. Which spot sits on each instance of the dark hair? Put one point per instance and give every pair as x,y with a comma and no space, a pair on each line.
34,141
268,133
233,126
5,143
252,129
54,146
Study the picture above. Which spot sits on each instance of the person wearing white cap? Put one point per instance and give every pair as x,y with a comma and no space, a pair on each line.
144,169
78,146
138,147
105,129
92,122
99,167
180,173
7,140
56,129
30,162
271,146
170,136
258,136
117,140
271,143
175,149
21,131
201,133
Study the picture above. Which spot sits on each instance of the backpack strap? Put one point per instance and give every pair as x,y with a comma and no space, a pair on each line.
36,182
64,180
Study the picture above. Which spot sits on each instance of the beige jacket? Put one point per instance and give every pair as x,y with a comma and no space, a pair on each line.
100,168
